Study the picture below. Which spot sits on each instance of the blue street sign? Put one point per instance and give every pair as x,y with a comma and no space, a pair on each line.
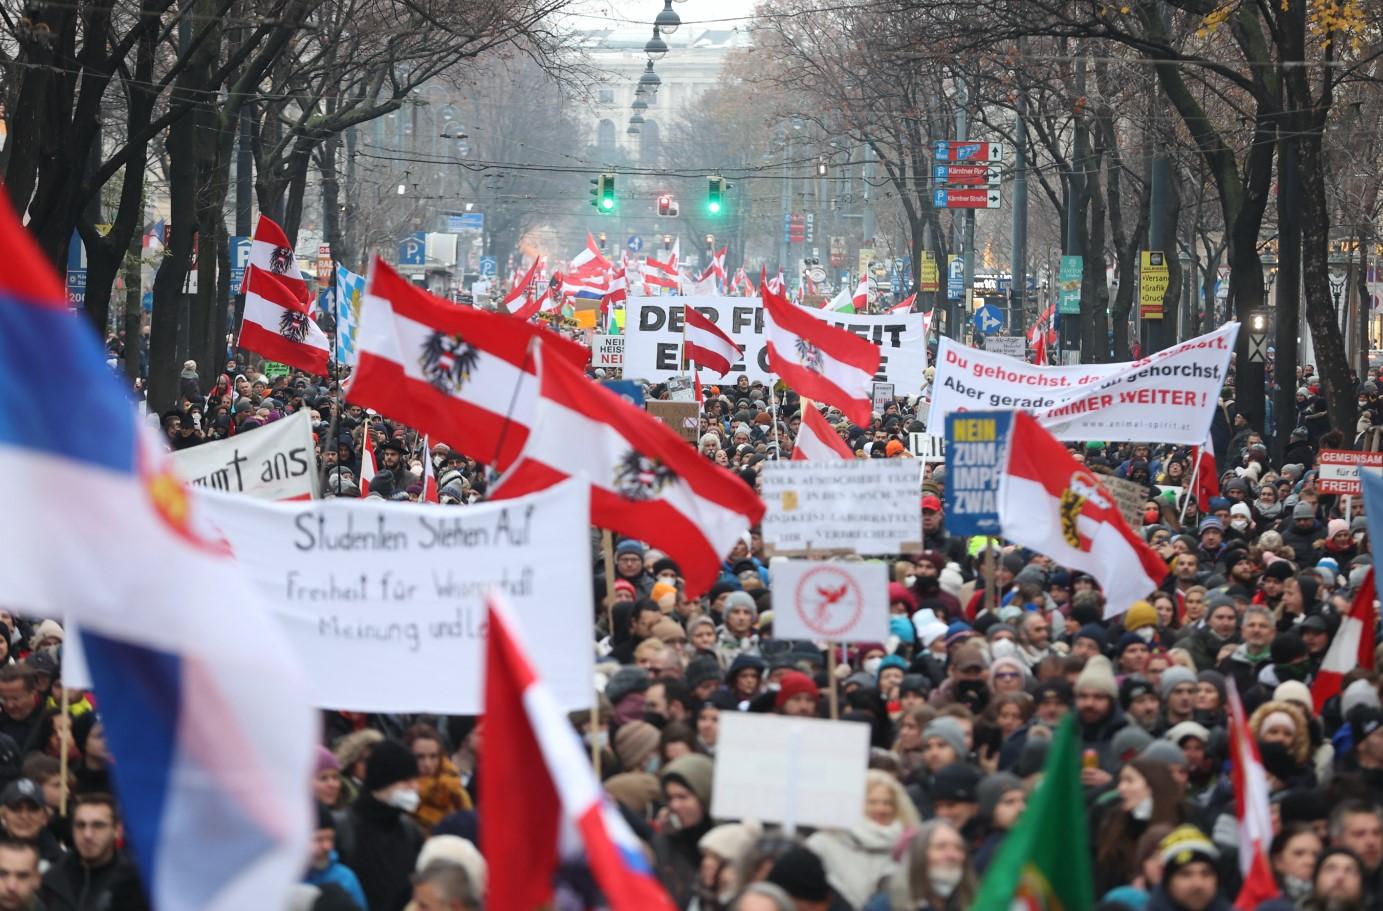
239,259
488,266
413,250
634,244
473,221
976,445
76,271
629,390
955,279
988,319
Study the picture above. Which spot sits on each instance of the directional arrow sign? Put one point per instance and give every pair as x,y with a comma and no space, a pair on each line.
967,175
955,150
966,199
988,319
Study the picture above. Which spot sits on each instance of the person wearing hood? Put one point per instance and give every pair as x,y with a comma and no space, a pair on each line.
378,838
1003,797
859,859
686,784
1303,534
1190,874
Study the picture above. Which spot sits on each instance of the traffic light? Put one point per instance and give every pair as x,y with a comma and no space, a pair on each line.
603,193
715,195
664,205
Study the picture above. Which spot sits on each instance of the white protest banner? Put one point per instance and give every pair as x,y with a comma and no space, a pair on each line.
1169,396
607,351
653,338
830,602
1014,346
794,771
869,506
273,462
384,602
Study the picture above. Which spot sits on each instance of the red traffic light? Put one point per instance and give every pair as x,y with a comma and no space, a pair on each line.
664,204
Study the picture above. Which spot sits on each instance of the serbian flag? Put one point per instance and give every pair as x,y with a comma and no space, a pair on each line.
817,439
367,460
820,361
1207,475
430,493
519,301
905,305
201,695
1251,806
1353,643
460,373
1052,504
707,345
538,778
590,259
276,325
646,482
271,251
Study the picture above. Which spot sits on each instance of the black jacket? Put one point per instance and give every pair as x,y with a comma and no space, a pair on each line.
381,845
70,885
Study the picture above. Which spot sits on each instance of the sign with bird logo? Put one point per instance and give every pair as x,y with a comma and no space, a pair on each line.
831,602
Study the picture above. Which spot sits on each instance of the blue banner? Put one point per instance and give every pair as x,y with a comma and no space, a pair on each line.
976,447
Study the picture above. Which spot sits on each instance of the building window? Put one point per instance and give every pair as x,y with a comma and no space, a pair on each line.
606,95
605,136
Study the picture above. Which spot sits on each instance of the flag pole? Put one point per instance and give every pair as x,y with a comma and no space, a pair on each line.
773,401
338,399
64,744
1191,488
607,547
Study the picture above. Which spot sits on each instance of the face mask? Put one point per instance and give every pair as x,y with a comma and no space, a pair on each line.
944,882
405,799
909,581
1297,888
1002,648
1151,516
602,739
1143,811
871,666
651,764
1239,524
1146,633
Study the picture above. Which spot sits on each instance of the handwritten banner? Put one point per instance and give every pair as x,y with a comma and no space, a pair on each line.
867,507
653,339
1169,396
384,602
273,462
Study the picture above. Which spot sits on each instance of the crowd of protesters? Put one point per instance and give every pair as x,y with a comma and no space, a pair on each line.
987,652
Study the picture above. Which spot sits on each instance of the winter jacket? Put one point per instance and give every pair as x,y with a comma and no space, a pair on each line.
337,873
1204,647
381,844
70,885
441,795
857,860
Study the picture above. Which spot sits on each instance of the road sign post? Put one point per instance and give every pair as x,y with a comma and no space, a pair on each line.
967,175
967,199
961,150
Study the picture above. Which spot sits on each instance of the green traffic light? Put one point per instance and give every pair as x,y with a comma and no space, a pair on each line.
714,207
607,203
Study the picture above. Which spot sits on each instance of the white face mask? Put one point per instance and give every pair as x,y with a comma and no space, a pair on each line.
1142,811
871,666
405,799
1239,524
1146,633
909,581
944,882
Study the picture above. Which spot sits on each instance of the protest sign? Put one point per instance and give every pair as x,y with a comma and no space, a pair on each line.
653,346
1339,470
976,447
1014,346
385,602
882,396
794,771
682,417
929,447
273,462
607,351
1130,497
866,507
1169,396
832,602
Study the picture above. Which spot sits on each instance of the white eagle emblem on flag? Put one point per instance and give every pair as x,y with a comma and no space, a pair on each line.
638,477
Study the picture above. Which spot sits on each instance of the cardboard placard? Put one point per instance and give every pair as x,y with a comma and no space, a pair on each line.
683,417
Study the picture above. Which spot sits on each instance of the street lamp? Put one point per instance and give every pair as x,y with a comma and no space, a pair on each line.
633,129
639,105
650,79
656,48
1337,287
636,120
668,20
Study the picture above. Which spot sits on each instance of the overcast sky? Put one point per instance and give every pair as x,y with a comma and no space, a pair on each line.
599,13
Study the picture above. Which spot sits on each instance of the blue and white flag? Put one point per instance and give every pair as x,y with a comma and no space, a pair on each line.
349,287
201,699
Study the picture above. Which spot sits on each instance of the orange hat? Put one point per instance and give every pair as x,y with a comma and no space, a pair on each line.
893,448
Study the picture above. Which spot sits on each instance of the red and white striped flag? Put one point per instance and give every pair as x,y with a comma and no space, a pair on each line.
537,777
817,439
706,344
1251,807
460,373
1207,474
820,361
367,460
646,482
271,251
520,299
716,267
905,305
1054,505
430,491
590,259
861,296
619,287
276,324
1037,335
1352,646
663,274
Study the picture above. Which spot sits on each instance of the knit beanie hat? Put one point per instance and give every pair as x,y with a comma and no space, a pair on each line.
794,683
993,789
1174,677
948,729
1141,614
390,762
1184,845
731,841
326,759
1098,675
700,669
625,681
694,772
635,741
742,599
800,873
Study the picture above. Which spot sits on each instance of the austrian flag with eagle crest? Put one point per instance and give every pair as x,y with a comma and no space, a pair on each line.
280,260
641,477
447,361
293,325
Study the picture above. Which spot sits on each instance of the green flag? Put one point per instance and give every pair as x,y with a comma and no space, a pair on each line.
1044,863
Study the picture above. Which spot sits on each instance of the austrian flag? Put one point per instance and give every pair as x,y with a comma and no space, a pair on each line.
707,345
271,251
1052,504
277,326
646,482
817,439
819,360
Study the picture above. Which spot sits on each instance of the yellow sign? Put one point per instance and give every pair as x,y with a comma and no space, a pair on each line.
931,278
585,319
1153,280
866,257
